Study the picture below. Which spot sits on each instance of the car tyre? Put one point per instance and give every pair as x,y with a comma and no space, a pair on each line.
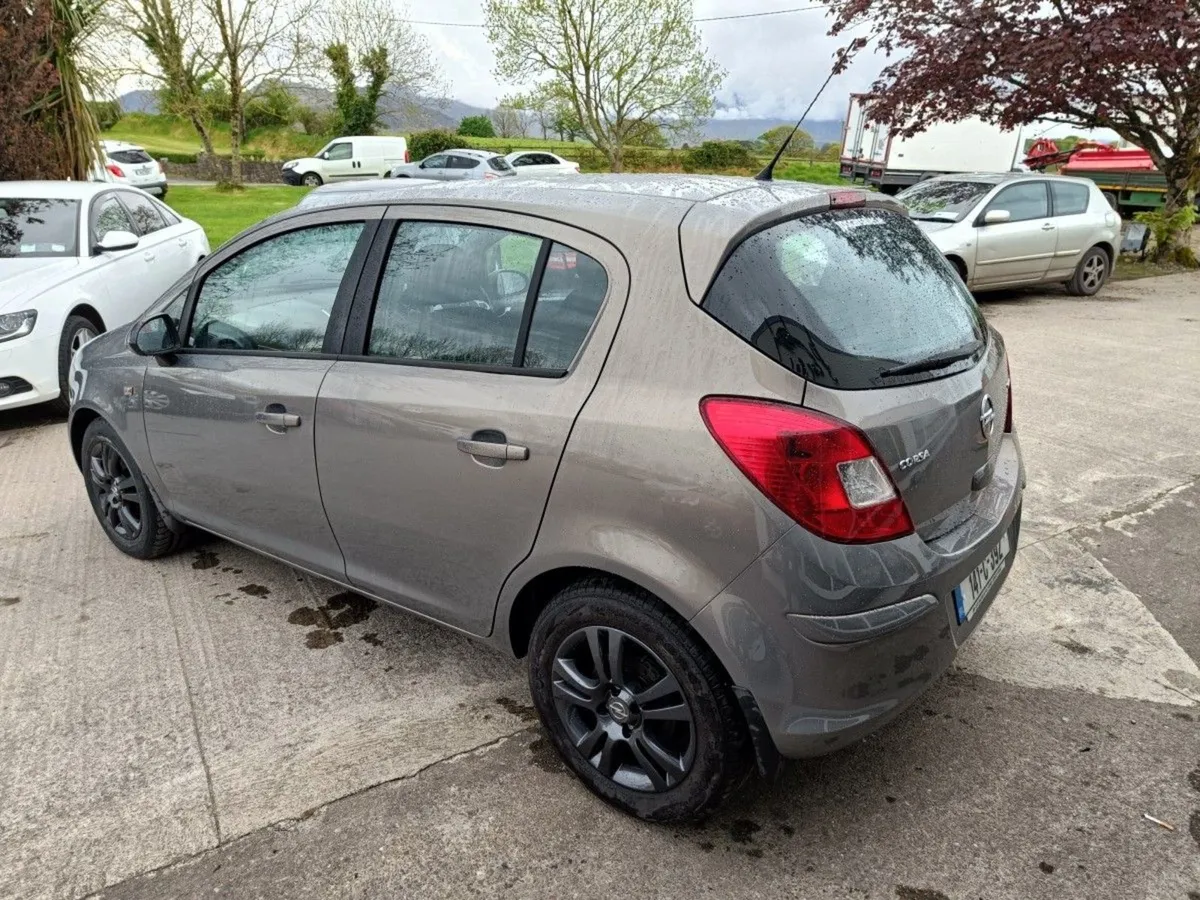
312,179
121,499
1090,275
77,331
636,705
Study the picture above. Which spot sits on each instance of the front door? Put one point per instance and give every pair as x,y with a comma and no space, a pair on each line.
230,421
440,430
434,166
1020,250
340,164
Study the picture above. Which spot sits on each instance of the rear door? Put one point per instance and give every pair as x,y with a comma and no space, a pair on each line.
440,429
858,303
459,167
230,423
170,252
1020,250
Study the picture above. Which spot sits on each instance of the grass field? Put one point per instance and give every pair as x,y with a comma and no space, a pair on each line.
222,214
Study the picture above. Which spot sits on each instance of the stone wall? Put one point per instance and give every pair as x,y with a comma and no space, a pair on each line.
216,168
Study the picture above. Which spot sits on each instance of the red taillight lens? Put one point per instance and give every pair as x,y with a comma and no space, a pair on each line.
846,199
407,157
819,470
115,170
1008,423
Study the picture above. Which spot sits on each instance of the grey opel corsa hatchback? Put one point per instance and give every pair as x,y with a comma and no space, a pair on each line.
730,463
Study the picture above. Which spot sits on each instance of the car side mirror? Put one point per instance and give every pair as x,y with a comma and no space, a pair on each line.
996,217
156,336
113,241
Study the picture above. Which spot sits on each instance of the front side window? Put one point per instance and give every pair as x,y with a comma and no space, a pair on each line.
453,293
109,215
1069,199
277,296
339,152
1023,201
32,226
434,162
846,297
146,216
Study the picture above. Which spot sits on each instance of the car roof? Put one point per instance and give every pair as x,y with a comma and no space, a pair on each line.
474,154
708,212
119,145
1001,177
56,190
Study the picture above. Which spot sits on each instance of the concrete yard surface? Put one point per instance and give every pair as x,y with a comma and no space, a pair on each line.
218,724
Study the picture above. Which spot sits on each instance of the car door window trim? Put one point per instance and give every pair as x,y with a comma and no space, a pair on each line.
531,299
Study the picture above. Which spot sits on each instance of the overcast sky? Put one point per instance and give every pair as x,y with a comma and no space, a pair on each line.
775,63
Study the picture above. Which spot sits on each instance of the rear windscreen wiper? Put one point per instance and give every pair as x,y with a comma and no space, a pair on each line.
935,362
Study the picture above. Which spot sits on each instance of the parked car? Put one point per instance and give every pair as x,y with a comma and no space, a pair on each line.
78,258
348,159
1001,231
458,165
737,484
129,164
539,162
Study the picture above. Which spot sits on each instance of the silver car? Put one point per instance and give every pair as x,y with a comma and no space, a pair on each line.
457,165
732,465
1002,231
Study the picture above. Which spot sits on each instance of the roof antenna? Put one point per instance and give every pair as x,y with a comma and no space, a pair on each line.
765,174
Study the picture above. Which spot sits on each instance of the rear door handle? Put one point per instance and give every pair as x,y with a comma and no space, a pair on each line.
492,450
182,241
148,256
277,420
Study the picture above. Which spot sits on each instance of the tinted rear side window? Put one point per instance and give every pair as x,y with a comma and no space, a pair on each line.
842,297
1069,199
499,163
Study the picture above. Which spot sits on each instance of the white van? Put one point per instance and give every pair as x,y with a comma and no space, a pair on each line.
348,159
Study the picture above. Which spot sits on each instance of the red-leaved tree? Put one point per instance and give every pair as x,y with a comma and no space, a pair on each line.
1127,65
27,79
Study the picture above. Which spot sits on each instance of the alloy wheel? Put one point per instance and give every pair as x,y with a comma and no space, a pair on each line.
623,709
1094,269
81,337
115,491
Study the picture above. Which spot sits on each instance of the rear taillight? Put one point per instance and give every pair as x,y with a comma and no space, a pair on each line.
1008,423
407,157
819,470
114,169
846,199
489,176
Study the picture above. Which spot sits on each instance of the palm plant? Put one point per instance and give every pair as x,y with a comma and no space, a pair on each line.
75,27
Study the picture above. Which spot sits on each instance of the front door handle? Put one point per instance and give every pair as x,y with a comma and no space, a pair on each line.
148,256
1049,226
492,449
277,422
183,242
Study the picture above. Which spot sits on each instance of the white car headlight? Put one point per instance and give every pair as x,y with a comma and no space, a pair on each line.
18,324
291,164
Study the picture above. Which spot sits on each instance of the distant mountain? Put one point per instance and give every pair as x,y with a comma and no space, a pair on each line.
139,102
823,131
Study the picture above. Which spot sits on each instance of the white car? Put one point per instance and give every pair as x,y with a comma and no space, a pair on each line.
348,159
1005,230
76,259
130,164
539,162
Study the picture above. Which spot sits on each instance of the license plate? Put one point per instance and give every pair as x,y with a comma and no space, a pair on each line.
980,582
144,170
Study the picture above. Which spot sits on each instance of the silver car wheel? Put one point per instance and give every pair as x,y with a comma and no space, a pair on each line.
1094,271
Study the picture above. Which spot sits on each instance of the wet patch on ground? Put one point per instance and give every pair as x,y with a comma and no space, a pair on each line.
742,831
205,559
1075,647
372,638
911,893
522,711
255,590
543,755
9,601
327,621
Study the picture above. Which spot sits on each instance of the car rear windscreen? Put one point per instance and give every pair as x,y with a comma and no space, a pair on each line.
846,297
499,163
130,157
31,226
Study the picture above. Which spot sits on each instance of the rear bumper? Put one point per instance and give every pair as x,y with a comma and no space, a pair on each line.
833,641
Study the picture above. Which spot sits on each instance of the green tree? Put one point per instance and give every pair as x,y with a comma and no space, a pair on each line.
615,64
476,126
801,145
358,108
